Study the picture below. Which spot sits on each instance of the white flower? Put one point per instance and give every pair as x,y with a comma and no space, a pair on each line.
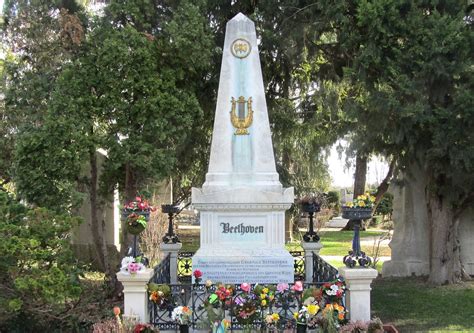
177,312
126,261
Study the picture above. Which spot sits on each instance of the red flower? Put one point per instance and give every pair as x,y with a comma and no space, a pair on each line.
139,327
197,273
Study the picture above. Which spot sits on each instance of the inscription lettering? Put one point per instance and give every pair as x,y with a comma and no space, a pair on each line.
241,229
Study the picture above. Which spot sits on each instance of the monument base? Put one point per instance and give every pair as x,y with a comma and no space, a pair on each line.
268,266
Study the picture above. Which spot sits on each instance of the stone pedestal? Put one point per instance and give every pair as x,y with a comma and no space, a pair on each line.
172,250
135,294
358,282
309,249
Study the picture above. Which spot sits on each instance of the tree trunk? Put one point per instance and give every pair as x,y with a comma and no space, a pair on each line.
383,187
97,233
360,176
445,251
130,191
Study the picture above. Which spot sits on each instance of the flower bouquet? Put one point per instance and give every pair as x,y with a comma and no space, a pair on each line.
218,300
333,292
182,315
132,265
159,294
246,307
271,321
137,213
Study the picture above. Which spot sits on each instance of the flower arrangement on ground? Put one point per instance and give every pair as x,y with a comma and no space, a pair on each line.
271,321
182,315
132,265
219,298
334,291
247,306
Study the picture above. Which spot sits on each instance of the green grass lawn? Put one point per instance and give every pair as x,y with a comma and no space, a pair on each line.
413,306
337,243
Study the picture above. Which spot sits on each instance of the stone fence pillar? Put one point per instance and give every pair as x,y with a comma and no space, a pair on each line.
310,248
358,282
135,294
172,249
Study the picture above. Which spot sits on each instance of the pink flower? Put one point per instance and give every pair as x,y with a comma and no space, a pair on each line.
281,287
133,267
245,287
298,286
138,199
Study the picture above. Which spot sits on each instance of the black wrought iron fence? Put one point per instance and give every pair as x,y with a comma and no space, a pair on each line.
322,271
197,296
162,272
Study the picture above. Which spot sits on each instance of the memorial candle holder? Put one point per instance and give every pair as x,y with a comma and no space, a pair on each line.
170,237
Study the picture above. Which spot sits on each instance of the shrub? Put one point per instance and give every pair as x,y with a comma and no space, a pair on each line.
385,206
39,277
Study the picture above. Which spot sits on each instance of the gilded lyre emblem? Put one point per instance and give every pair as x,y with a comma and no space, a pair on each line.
240,48
239,119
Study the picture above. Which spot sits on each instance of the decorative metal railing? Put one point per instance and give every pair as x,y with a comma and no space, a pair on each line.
185,268
162,272
194,296
322,271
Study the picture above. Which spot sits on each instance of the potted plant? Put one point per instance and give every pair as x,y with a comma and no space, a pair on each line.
137,214
360,208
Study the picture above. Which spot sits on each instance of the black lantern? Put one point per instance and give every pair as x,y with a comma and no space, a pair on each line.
310,207
170,237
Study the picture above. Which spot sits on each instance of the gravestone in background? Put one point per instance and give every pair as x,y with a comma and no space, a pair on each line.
410,242
242,203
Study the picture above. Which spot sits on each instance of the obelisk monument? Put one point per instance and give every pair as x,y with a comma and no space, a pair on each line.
242,203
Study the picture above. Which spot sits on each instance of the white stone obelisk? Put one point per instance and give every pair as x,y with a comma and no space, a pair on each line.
242,203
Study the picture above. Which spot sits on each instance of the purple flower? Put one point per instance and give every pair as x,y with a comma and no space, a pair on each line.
239,300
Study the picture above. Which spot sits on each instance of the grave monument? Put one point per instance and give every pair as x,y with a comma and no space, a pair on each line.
242,203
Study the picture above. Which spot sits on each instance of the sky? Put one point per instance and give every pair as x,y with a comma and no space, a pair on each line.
344,177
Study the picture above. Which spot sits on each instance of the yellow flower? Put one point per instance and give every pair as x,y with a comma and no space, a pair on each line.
361,203
264,302
275,316
313,309
271,297
350,204
263,296
362,197
372,198
265,290
295,315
